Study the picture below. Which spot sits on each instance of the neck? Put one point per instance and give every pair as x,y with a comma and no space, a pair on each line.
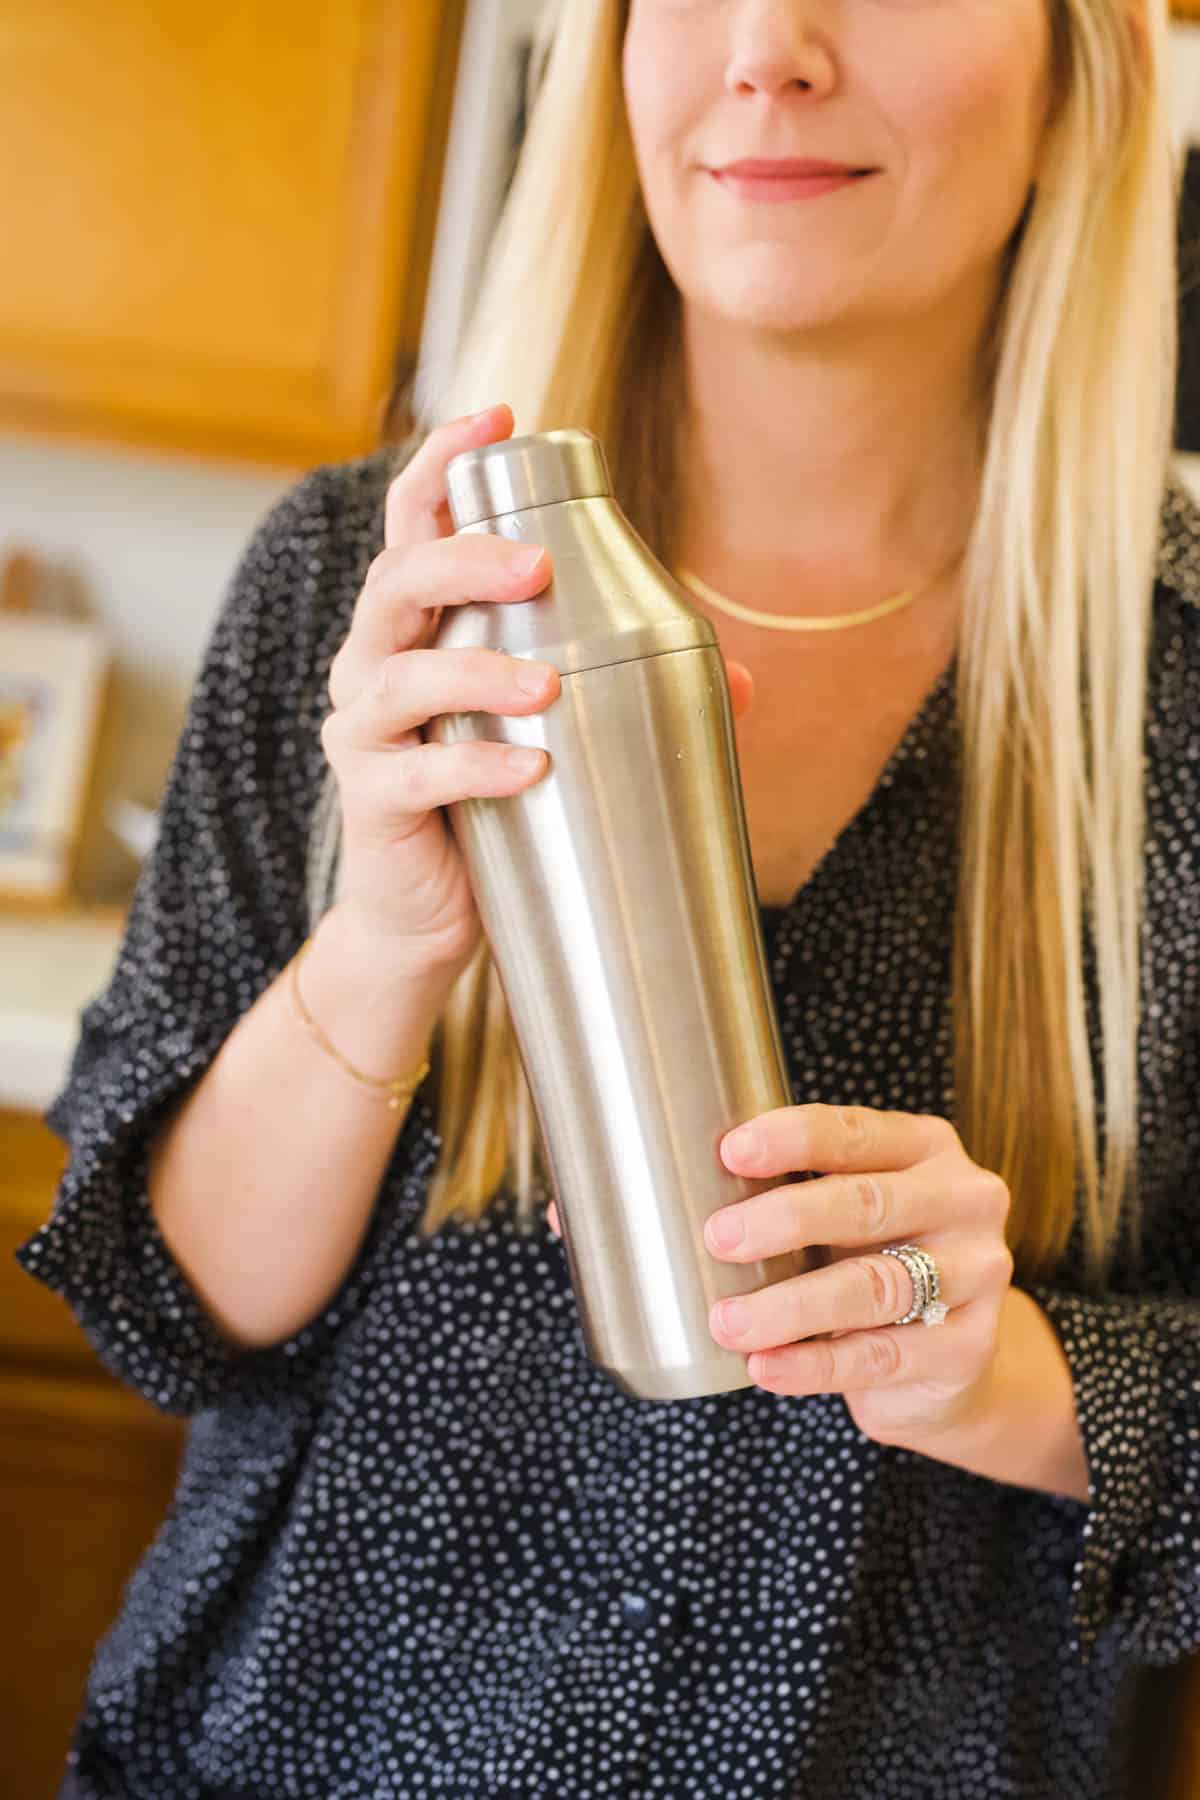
855,465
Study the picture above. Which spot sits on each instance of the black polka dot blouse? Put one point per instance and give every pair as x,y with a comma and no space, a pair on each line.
425,1546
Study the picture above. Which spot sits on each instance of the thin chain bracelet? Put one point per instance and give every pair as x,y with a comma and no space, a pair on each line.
396,1091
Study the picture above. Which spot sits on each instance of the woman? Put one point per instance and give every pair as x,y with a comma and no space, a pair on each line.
421,1544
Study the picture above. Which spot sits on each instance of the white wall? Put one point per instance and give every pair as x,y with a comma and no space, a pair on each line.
150,541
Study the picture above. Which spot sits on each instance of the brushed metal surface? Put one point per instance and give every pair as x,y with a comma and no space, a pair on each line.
610,599
618,899
517,473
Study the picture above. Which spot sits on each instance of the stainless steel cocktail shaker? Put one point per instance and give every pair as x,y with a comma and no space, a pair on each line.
619,900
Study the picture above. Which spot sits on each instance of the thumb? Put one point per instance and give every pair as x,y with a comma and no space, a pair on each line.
741,688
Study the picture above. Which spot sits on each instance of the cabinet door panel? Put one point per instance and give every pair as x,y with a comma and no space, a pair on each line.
86,1475
36,1326
218,221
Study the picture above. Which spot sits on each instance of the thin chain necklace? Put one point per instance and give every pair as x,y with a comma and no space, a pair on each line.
801,622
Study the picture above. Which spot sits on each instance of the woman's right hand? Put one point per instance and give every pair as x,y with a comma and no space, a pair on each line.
403,876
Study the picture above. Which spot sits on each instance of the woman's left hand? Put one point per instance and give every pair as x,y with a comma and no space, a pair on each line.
886,1178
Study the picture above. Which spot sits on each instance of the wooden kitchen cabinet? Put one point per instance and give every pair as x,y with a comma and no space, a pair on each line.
218,221
87,1471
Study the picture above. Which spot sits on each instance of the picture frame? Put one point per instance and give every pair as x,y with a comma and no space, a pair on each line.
55,676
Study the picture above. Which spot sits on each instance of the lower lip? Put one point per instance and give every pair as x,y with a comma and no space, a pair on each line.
782,187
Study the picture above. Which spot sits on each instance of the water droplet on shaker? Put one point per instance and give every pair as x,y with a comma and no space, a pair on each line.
678,754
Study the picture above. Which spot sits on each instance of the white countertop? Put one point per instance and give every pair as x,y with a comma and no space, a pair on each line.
50,967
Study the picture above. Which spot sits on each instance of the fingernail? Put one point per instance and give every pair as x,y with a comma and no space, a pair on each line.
745,1144
730,1317
526,561
531,681
726,1229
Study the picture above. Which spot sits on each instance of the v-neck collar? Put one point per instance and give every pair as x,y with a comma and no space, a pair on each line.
922,737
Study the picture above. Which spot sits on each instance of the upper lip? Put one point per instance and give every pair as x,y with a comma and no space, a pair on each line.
756,165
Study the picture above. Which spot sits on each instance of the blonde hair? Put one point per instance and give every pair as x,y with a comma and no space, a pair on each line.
1058,583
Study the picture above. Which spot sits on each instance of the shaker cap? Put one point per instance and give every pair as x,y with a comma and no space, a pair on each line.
519,472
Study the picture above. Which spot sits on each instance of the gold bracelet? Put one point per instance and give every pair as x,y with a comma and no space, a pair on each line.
396,1091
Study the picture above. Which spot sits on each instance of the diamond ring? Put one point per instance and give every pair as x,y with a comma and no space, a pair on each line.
923,1272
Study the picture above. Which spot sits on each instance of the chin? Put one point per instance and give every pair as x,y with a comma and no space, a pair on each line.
758,308
775,286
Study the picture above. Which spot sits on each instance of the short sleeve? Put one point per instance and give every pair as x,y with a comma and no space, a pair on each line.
219,909
1135,1364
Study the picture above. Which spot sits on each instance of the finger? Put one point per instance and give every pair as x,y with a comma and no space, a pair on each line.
406,586
417,504
904,1355
849,1211
835,1138
392,790
552,1219
862,1293
741,688
407,690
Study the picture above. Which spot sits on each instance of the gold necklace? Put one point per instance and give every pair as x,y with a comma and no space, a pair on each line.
794,622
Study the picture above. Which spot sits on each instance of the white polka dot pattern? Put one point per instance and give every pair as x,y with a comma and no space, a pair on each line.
425,1547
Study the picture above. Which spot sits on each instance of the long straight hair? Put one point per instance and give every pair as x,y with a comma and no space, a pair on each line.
578,322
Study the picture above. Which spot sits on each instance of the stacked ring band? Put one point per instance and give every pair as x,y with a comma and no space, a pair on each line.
927,1303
